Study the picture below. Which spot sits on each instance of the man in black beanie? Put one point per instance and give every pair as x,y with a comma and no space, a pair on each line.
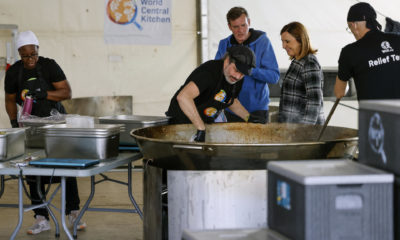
373,61
213,86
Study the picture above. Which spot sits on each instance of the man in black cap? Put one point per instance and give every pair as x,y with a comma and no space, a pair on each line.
212,87
373,60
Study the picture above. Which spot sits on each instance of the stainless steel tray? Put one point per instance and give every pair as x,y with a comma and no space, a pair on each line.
99,130
34,138
132,122
100,142
12,142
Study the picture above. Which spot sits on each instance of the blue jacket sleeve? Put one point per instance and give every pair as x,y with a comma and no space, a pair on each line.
267,69
222,46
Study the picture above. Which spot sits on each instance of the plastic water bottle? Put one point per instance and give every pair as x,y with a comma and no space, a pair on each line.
27,108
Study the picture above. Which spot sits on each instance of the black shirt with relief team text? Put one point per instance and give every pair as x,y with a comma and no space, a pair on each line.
215,93
374,63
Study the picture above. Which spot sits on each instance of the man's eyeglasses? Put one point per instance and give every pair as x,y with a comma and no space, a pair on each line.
348,30
34,55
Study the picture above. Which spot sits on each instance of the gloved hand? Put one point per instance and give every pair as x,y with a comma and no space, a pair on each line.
38,93
199,136
256,119
14,123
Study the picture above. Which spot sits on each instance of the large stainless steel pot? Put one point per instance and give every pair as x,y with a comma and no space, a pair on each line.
234,146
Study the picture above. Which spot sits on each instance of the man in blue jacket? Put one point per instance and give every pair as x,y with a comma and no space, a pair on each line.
254,95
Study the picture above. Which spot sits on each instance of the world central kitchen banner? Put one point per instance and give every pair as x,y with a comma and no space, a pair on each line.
137,22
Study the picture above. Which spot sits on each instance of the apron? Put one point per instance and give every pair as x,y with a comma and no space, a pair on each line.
41,107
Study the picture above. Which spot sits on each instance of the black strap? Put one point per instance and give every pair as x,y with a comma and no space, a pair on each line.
44,85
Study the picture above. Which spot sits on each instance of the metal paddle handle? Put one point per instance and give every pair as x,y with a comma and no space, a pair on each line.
329,118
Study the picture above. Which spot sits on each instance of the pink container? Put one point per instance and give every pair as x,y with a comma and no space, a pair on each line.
27,108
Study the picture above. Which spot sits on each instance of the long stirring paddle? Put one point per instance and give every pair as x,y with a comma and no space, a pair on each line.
331,113
329,118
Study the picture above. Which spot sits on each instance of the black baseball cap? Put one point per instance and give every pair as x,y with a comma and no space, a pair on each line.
243,57
363,11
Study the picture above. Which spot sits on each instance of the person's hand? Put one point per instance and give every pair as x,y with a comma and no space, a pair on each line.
256,119
199,136
14,123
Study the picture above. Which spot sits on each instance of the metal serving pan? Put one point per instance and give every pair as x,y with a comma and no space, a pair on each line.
236,146
100,142
34,138
133,122
12,142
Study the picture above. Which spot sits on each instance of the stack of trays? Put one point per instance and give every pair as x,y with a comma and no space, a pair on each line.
12,143
100,142
34,139
133,122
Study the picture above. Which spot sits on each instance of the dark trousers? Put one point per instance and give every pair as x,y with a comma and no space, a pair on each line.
231,117
72,195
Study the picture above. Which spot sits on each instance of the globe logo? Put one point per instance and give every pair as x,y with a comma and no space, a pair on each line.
386,47
123,12
376,136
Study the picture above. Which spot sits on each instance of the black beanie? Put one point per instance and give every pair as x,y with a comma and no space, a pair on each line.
363,11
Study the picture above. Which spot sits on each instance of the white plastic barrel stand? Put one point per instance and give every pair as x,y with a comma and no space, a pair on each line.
200,200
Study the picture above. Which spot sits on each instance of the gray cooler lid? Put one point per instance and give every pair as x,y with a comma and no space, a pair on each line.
389,106
324,172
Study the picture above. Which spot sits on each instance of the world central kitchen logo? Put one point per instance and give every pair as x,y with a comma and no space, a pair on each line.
376,136
125,12
386,47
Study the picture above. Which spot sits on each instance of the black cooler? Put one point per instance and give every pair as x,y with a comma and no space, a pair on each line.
379,143
379,134
329,199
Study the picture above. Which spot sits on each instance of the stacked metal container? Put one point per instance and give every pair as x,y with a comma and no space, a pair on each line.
12,142
99,142
133,122
34,138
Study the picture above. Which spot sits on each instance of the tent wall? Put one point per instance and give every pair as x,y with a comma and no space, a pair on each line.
71,32
326,24
325,21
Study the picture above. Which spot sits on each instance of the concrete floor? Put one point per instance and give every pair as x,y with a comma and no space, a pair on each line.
100,225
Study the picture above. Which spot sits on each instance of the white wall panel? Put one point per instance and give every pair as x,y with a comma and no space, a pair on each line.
325,21
71,32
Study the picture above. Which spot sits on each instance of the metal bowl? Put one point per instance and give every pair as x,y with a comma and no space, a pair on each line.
133,122
234,146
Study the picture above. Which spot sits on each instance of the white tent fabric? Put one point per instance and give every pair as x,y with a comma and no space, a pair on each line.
325,21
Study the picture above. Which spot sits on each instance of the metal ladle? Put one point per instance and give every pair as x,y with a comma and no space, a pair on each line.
330,114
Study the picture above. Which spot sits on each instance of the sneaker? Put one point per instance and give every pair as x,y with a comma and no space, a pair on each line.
72,217
41,224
